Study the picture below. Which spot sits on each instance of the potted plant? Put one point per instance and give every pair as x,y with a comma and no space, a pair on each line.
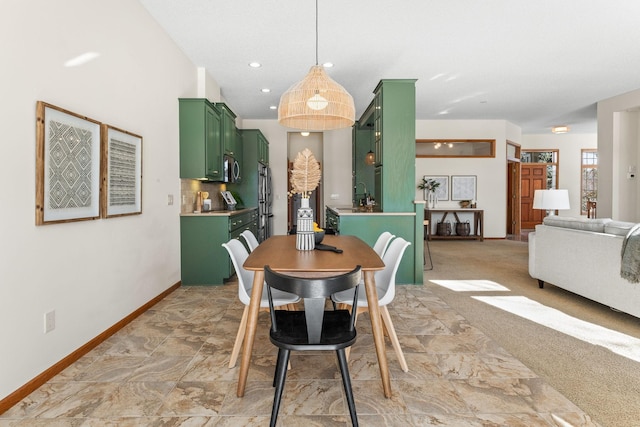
429,186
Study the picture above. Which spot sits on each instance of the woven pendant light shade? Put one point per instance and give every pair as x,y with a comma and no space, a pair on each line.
316,103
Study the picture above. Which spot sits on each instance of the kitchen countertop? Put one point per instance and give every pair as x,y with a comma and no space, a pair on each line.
360,211
220,212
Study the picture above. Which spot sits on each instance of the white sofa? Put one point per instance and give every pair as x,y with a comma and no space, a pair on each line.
584,256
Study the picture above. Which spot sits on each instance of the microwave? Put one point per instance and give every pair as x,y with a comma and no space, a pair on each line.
230,169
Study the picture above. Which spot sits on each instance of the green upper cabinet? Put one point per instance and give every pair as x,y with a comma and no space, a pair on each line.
255,150
263,149
200,149
229,135
390,120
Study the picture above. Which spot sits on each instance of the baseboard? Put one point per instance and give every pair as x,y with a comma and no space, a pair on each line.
54,370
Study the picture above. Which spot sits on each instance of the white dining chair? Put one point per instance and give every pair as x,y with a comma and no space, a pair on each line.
250,238
386,287
382,243
238,254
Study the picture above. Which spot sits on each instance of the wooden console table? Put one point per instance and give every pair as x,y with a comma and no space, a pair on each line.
476,232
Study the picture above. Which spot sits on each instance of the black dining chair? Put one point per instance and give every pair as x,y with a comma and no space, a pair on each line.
314,328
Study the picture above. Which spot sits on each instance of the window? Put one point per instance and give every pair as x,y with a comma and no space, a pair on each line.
589,179
550,157
455,148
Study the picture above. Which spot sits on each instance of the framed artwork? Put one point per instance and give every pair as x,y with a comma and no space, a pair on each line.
442,192
67,166
121,172
463,187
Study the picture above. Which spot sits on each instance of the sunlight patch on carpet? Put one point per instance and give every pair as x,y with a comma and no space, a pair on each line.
470,285
619,343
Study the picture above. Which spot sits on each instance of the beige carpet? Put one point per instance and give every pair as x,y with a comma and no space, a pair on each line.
603,384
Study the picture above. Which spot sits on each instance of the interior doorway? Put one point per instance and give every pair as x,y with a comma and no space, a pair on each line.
296,142
513,225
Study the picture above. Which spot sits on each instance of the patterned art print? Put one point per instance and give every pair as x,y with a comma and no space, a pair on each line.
122,152
463,187
70,166
122,173
67,166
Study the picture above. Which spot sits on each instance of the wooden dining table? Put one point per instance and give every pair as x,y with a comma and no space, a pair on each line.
280,254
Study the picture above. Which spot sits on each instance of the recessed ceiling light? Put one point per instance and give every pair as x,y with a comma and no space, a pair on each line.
560,129
265,90
273,107
304,133
255,64
327,64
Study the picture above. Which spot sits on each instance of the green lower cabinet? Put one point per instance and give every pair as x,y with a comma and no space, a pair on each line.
203,259
369,227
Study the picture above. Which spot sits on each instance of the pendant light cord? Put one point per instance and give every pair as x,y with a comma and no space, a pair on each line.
316,32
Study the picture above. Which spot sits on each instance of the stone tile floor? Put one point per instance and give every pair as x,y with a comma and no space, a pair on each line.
169,368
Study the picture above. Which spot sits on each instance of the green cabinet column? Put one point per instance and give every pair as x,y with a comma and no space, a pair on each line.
200,149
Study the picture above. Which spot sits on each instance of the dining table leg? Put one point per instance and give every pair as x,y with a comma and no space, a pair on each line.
250,332
378,332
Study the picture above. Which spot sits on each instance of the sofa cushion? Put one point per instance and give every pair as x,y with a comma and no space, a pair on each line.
619,228
585,224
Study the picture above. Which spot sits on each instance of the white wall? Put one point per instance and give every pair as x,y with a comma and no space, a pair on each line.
490,172
618,140
336,166
569,147
92,273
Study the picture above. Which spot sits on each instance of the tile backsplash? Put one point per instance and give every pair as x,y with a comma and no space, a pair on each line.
189,190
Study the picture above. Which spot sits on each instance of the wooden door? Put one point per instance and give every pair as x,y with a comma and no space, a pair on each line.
513,198
532,177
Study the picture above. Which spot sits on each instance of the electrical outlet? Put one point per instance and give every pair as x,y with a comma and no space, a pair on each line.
49,321
170,199
335,196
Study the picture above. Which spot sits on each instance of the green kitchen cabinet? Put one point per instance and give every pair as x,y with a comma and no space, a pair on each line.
229,134
369,225
255,150
263,149
200,149
390,121
363,184
203,260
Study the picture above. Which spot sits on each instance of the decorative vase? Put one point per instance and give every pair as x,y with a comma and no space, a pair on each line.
305,239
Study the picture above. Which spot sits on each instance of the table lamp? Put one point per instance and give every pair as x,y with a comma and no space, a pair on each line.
551,200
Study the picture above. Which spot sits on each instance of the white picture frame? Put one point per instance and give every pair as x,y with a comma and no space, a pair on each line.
442,192
122,172
67,166
463,187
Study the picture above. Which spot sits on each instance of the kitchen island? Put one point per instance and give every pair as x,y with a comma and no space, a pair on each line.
369,224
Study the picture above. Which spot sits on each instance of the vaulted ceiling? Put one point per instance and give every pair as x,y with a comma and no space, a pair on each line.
534,63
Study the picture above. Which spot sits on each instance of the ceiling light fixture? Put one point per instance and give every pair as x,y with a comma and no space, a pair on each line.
305,133
255,64
560,129
317,102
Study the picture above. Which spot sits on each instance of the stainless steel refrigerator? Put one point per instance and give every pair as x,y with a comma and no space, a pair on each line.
265,203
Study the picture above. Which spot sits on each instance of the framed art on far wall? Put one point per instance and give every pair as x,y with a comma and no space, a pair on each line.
67,166
442,192
463,187
121,172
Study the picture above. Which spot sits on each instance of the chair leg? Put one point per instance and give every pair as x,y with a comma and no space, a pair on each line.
425,256
279,378
347,351
386,319
239,338
346,381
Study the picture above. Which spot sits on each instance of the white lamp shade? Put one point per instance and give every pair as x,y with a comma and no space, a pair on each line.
551,199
